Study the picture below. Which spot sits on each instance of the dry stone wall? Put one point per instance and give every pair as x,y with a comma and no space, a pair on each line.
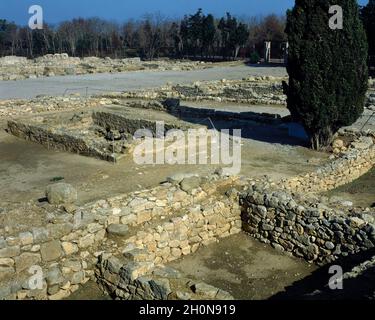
191,113
18,68
132,278
349,166
255,91
84,133
283,216
41,104
134,235
61,140
308,230
159,221
131,125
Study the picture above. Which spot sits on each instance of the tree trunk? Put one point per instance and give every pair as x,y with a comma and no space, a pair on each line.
321,139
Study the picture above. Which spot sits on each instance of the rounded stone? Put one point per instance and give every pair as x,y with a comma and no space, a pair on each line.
329,245
188,184
118,229
61,193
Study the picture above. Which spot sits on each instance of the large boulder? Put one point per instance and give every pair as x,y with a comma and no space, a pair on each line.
61,193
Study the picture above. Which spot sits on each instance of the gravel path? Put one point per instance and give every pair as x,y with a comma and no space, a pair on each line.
129,81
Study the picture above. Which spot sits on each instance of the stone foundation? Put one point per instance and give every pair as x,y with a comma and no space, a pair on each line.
129,279
125,241
253,91
84,132
63,141
308,230
351,164
150,227
283,216
18,68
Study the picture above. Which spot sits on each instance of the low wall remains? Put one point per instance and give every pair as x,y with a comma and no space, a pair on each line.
254,91
17,68
308,230
284,217
129,125
64,253
60,141
134,235
133,278
190,113
351,164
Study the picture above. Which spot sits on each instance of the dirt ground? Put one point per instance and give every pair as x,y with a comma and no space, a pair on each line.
361,191
239,264
27,168
89,291
246,268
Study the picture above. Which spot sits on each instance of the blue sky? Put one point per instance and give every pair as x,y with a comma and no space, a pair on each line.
121,10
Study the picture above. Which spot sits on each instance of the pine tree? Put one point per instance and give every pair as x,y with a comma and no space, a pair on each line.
327,68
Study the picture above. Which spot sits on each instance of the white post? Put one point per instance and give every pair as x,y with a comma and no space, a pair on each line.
267,51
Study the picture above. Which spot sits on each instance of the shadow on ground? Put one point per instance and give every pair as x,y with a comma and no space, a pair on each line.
263,132
315,286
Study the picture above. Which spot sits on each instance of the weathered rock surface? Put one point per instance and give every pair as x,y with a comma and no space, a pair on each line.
119,230
61,193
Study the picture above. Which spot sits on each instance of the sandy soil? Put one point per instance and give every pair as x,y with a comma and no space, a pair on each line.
239,264
27,168
244,267
361,191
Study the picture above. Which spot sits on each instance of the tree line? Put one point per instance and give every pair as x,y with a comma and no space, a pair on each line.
197,35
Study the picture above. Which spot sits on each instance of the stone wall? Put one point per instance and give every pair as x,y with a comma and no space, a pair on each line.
83,133
130,125
133,278
283,215
254,91
60,141
18,68
349,166
202,220
200,225
191,113
135,234
61,253
158,220
309,230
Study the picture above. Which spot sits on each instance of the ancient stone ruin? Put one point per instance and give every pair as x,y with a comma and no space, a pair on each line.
126,242
17,68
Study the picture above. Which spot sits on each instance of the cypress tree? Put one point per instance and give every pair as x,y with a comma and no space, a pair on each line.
327,68
368,16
